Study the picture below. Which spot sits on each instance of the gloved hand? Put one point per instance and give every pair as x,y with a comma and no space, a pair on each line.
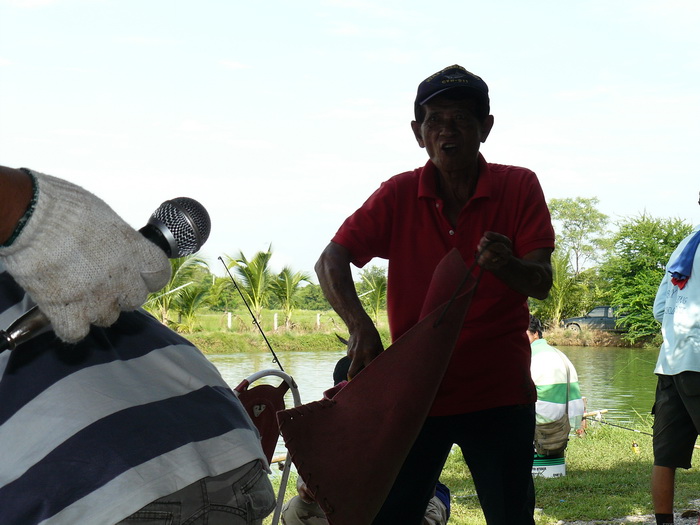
80,262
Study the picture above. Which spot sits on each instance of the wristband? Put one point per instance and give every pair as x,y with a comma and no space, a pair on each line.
28,212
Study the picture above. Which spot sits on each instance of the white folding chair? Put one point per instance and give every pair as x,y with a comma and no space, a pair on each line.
262,402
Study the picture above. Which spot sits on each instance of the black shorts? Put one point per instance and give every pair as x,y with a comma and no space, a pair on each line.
676,419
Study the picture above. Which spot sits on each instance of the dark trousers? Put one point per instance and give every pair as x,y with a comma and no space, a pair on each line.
497,447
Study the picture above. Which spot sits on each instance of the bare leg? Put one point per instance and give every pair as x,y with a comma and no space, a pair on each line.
662,484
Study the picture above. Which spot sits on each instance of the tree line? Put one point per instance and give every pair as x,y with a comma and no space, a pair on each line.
249,283
596,262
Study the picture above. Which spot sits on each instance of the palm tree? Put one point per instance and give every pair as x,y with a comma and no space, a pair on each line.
186,304
255,277
286,288
184,271
563,284
373,290
221,296
566,290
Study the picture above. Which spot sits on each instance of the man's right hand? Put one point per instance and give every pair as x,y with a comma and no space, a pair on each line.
335,278
364,345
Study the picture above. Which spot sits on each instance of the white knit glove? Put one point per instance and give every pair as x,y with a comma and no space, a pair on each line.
80,262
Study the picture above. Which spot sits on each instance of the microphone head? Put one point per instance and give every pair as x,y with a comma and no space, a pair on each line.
184,223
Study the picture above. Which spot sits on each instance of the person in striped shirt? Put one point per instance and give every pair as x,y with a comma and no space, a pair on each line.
110,417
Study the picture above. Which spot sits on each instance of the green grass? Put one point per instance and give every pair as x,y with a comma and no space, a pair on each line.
215,333
605,479
310,331
302,321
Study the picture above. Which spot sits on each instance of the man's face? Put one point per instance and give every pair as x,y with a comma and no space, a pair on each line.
451,133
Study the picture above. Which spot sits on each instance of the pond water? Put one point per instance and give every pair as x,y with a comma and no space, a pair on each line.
620,380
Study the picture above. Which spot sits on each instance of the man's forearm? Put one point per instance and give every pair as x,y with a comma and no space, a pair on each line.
530,278
335,279
15,194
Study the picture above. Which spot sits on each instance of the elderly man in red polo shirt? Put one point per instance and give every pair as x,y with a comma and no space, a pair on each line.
495,214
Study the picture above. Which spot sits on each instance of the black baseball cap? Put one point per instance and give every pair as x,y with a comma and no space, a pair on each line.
453,78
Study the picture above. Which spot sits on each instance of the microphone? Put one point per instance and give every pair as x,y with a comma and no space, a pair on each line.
179,227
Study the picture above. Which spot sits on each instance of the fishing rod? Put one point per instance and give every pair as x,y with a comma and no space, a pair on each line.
618,426
624,428
274,355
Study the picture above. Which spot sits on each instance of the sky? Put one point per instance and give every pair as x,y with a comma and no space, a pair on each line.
282,117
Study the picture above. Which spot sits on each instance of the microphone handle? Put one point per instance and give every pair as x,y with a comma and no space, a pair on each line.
159,238
34,321
25,327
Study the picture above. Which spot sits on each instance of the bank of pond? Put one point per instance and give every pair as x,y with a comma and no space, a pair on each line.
252,340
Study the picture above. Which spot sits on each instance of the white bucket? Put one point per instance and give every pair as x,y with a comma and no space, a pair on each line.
549,466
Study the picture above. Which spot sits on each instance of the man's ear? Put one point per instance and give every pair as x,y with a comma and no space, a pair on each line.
486,128
415,126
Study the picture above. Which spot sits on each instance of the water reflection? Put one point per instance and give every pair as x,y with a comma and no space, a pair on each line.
312,371
620,380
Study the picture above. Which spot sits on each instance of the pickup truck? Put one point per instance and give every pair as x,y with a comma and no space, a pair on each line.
600,318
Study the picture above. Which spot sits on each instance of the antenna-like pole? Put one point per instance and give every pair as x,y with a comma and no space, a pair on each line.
274,356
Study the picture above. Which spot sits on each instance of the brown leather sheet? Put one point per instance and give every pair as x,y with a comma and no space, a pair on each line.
349,449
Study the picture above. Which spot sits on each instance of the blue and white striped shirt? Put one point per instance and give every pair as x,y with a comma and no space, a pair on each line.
90,433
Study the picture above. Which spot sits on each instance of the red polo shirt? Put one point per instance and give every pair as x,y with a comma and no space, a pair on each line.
403,222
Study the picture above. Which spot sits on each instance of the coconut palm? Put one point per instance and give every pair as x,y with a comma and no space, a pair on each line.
563,284
373,290
566,292
186,304
221,295
184,274
254,278
286,288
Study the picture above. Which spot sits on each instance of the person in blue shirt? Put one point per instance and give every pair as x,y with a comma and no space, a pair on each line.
677,404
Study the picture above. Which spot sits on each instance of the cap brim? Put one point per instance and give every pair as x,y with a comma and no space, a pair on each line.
470,89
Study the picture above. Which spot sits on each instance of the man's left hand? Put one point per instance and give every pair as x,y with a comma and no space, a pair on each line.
494,251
